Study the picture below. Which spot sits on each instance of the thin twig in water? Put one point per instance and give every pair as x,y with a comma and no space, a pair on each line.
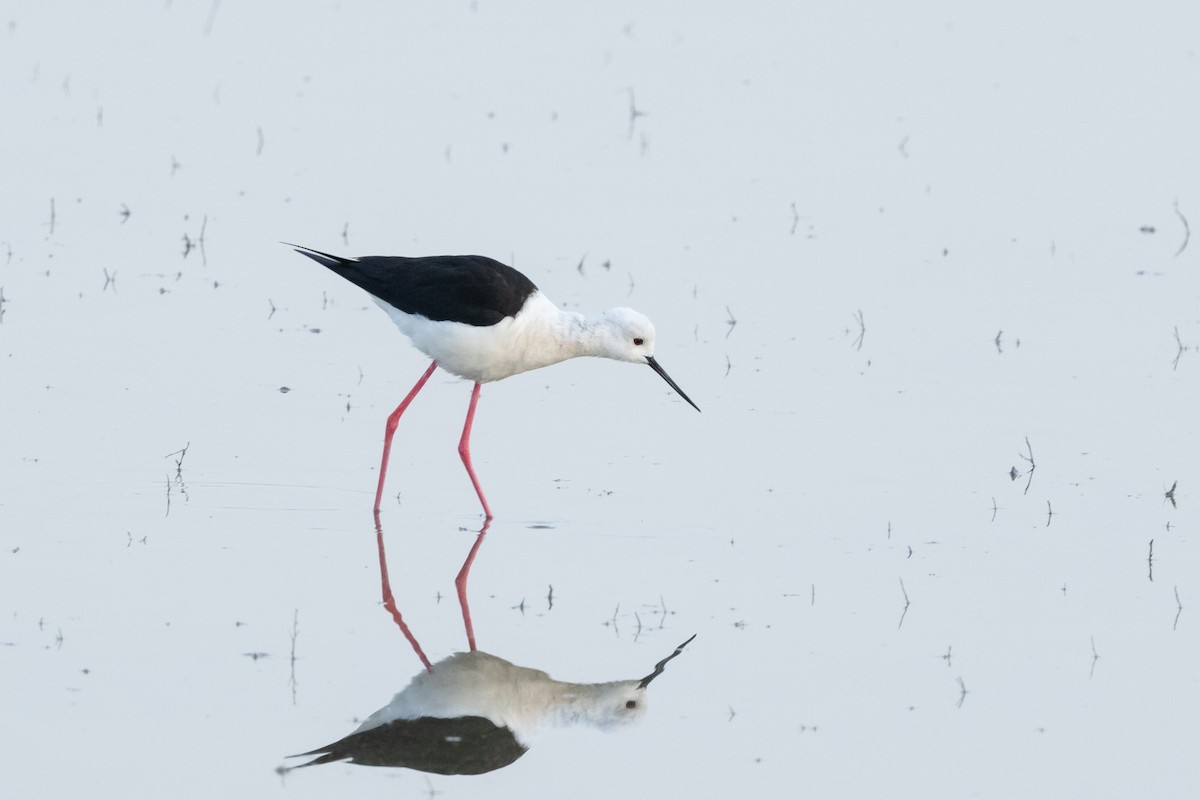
1179,352
1150,562
177,481
200,241
634,113
292,658
1187,230
862,330
212,16
1032,467
179,461
613,621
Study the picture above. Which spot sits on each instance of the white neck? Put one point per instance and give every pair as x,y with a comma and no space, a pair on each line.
545,334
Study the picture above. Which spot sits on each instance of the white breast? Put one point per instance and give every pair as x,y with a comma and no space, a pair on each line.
540,335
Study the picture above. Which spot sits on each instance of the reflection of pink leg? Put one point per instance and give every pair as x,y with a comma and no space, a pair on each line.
460,583
464,450
392,422
389,602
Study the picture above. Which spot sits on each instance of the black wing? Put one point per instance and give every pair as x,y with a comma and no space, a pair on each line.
461,746
475,290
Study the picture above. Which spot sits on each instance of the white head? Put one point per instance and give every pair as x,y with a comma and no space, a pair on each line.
628,335
610,705
623,703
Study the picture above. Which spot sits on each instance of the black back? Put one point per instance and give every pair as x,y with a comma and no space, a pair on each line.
475,290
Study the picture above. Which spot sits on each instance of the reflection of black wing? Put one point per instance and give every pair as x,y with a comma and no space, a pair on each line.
460,746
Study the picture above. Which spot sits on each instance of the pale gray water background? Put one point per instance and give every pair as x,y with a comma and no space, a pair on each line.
951,174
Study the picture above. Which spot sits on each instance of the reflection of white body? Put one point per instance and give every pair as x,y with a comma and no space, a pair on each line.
474,712
518,698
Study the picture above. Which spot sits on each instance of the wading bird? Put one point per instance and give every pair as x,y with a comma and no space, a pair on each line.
484,321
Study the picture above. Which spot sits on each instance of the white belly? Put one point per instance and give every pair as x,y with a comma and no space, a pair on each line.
518,344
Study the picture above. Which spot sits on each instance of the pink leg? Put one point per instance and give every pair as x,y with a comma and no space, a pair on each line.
464,450
460,583
389,601
392,422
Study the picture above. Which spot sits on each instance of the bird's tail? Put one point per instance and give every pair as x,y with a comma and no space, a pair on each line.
324,259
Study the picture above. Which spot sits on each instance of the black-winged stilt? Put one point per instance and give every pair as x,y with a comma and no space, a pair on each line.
485,321
474,712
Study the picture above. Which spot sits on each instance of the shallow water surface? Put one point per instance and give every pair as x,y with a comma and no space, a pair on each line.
927,271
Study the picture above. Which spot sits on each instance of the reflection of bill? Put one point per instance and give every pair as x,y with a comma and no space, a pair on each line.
474,713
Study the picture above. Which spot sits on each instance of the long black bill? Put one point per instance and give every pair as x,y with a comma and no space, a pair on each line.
663,373
658,668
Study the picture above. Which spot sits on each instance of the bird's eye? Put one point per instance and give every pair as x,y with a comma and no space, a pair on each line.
638,341
631,704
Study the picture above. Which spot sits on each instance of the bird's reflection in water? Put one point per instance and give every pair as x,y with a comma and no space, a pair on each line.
474,712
